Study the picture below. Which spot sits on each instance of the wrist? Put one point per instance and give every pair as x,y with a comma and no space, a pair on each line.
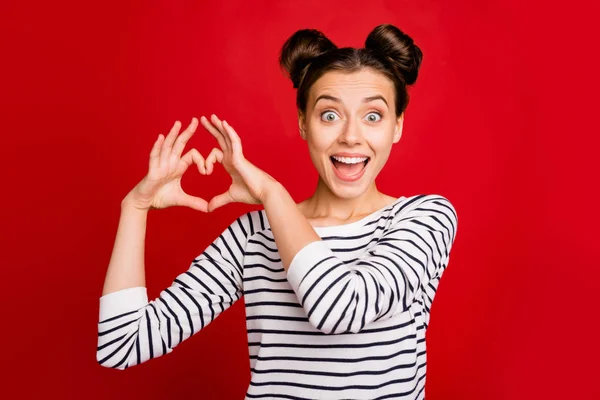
272,190
128,204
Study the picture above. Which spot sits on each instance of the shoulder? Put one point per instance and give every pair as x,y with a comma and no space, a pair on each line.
432,207
420,201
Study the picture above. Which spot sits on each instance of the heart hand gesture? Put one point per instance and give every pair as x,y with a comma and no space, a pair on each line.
161,187
249,183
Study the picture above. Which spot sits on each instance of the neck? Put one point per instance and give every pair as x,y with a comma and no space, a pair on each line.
324,203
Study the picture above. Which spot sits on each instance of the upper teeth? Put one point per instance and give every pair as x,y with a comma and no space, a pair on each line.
350,160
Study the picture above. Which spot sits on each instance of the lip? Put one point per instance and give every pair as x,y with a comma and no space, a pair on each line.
351,178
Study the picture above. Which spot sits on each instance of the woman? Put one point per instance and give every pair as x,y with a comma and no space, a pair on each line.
338,288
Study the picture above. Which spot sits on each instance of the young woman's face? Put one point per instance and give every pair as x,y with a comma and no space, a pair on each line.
350,126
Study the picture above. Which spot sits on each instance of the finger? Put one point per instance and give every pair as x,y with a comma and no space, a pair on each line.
216,155
194,202
155,152
215,132
183,138
219,201
219,125
165,151
192,157
234,138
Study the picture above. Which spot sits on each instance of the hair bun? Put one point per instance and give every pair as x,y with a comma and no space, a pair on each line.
300,50
400,48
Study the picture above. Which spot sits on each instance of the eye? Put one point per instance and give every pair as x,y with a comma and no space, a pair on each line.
373,117
328,116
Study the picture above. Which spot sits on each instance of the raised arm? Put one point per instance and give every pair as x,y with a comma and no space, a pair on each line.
412,253
132,330
339,297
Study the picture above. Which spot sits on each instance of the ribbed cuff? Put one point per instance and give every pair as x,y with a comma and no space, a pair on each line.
304,260
122,301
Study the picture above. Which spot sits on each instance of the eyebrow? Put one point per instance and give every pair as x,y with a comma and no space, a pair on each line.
338,100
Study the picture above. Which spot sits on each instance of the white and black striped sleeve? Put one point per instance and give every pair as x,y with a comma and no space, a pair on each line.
414,250
132,330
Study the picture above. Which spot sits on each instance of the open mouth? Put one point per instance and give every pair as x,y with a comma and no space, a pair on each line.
349,168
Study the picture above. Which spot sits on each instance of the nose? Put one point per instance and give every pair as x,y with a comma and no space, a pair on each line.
351,133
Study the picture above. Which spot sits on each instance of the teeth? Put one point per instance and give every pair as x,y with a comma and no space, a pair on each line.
350,160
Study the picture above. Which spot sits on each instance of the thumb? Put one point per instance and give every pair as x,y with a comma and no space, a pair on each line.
195,203
219,201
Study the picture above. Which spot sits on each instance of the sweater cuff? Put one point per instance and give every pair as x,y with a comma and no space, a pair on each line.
304,260
122,301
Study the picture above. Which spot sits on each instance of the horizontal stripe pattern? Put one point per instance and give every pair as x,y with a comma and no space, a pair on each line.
341,296
347,321
132,330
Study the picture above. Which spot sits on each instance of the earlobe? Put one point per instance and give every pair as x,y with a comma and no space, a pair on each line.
398,129
301,126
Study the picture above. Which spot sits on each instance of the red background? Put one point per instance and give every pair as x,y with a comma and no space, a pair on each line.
502,122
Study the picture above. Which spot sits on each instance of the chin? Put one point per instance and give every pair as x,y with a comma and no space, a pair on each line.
347,191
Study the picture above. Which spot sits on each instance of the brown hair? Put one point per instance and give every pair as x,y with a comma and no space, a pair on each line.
308,54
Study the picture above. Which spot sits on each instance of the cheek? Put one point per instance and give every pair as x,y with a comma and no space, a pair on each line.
319,142
382,143
316,151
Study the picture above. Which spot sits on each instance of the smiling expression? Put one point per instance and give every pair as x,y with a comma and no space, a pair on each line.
350,126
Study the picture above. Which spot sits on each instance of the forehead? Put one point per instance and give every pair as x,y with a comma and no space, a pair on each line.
352,86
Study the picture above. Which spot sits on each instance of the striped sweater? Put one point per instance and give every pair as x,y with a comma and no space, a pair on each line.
347,320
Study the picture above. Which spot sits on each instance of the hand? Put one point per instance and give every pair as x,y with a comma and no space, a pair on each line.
161,187
249,183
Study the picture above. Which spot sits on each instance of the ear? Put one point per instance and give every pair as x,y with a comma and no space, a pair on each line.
302,125
398,131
